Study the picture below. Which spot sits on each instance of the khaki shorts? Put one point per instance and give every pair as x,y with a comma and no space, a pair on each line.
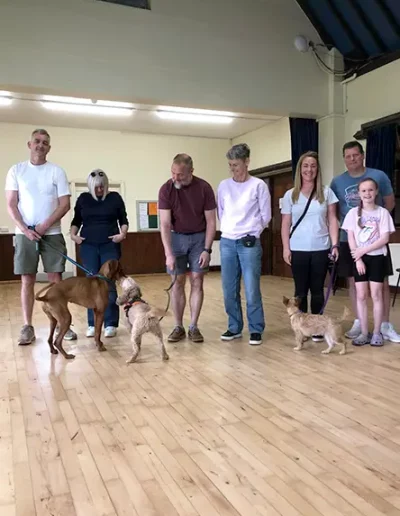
26,256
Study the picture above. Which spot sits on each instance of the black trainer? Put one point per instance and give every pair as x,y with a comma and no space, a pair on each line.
255,339
228,335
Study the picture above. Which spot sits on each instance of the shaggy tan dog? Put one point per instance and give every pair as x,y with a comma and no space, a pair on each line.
141,318
306,325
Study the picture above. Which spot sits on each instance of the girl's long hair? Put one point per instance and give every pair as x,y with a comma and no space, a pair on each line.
298,182
360,206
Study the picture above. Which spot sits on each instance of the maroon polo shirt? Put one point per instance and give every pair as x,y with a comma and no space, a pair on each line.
187,204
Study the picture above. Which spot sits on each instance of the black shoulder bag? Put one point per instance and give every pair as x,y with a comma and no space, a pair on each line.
304,212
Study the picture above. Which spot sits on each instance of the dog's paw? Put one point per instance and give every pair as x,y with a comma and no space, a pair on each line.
69,356
102,348
342,352
325,351
165,357
297,348
54,351
131,360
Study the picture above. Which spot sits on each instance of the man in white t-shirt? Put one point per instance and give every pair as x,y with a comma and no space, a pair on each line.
38,196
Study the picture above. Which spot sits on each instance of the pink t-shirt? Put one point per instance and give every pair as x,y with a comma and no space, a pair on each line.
375,223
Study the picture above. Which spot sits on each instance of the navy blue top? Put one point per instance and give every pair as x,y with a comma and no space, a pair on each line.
99,219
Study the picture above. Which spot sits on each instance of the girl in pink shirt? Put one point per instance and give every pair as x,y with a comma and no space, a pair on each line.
368,228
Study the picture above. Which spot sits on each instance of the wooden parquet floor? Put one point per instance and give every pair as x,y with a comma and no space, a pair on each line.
222,429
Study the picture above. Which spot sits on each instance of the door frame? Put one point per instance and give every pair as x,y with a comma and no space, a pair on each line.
270,171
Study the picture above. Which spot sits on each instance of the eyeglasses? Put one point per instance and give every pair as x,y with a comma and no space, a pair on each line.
94,174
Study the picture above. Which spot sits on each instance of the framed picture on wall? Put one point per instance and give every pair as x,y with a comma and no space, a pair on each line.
147,216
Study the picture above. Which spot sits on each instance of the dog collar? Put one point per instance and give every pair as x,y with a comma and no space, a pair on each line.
295,313
133,301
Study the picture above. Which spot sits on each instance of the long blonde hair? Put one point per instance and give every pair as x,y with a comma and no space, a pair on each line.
298,182
97,178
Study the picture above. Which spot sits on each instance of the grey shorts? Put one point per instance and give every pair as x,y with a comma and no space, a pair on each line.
187,249
26,256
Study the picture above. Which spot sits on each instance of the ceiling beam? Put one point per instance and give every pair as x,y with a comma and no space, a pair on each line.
390,16
370,27
358,45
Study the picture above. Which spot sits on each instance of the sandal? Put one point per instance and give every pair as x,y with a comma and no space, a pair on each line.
361,340
377,339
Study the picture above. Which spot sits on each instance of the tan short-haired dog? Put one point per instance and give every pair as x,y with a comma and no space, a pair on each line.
306,325
141,318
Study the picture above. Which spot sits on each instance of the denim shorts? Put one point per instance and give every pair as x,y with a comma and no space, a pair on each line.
187,249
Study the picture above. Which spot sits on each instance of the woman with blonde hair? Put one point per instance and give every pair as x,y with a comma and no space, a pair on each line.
310,232
101,218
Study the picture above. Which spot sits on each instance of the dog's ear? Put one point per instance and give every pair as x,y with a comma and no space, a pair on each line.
112,270
297,301
285,300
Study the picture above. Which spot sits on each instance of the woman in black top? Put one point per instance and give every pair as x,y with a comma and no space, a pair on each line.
101,217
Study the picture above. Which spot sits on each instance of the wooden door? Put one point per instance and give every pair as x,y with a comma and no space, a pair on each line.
279,186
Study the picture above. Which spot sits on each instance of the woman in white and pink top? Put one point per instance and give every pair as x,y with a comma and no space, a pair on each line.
244,210
368,228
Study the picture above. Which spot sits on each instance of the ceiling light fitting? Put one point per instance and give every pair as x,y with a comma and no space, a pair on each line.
193,117
93,109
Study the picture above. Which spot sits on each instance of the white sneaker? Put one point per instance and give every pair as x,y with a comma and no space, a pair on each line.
389,333
110,331
90,331
354,331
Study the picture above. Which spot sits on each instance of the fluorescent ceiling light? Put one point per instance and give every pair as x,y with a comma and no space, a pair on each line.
91,109
87,102
192,111
192,117
4,101
5,93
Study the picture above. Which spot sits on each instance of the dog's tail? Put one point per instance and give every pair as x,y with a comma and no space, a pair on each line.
157,313
346,314
38,297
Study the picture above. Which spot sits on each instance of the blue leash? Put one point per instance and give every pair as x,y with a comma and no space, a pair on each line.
87,271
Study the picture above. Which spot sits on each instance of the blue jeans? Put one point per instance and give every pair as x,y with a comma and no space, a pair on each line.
93,256
236,259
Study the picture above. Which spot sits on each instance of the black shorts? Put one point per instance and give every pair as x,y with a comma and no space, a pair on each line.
346,263
375,269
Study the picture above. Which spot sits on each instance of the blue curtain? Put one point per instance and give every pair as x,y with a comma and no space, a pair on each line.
303,137
381,149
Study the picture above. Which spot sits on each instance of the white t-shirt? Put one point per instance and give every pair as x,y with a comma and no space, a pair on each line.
38,187
375,223
312,234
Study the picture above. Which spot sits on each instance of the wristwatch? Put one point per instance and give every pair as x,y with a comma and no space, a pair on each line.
209,251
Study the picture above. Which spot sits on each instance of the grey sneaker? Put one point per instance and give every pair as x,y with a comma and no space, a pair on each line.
377,340
27,335
354,331
70,335
177,334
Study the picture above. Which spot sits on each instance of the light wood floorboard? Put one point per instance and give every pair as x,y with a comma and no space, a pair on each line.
221,429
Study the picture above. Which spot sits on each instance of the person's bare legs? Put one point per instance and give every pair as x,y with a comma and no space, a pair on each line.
27,297
353,296
378,305
178,303
196,297
178,298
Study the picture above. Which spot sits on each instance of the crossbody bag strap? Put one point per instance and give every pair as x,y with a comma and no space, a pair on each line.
304,212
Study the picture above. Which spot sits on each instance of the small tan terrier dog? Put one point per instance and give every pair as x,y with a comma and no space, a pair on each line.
306,325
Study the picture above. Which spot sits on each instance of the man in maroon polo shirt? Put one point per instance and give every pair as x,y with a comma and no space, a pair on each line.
187,209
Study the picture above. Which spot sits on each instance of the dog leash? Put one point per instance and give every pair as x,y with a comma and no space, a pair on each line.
330,285
167,290
87,271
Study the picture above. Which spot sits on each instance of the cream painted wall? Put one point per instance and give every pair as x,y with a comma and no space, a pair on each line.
142,162
371,96
211,53
269,144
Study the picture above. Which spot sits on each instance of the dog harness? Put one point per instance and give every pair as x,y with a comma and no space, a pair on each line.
133,301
